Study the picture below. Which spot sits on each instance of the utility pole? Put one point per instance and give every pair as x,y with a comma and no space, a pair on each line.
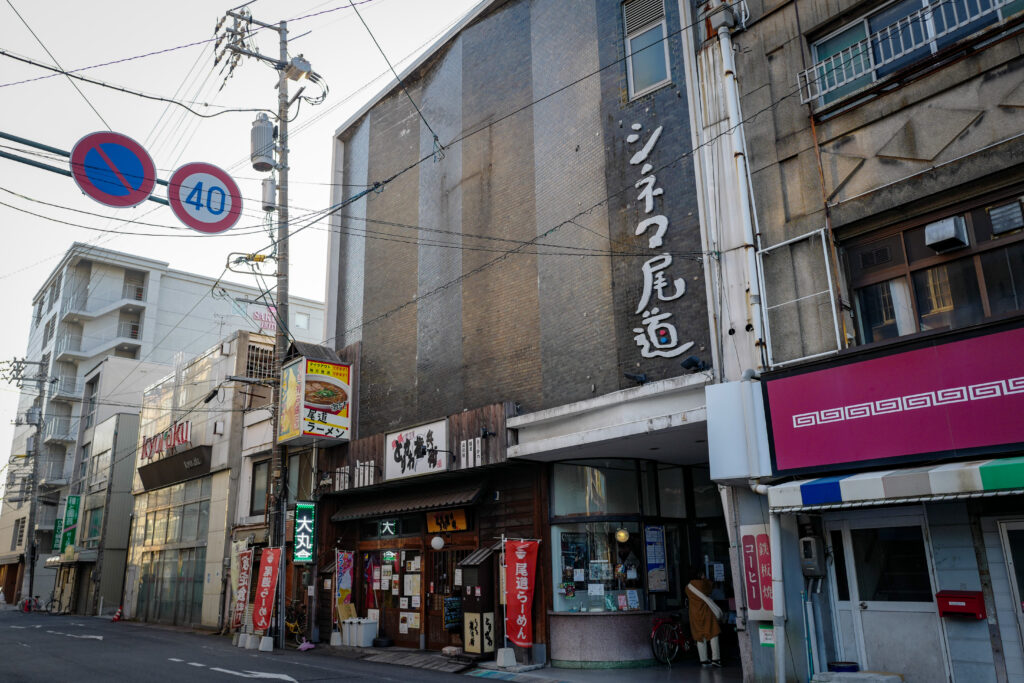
239,44
14,371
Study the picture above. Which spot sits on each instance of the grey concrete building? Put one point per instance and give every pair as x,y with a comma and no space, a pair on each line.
863,167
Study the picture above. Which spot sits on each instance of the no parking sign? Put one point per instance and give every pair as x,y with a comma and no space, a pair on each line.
113,169
204,197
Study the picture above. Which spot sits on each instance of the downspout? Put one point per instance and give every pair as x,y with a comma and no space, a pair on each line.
723,19
778,596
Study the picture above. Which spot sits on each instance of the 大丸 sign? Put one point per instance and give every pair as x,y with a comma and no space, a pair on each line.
305,525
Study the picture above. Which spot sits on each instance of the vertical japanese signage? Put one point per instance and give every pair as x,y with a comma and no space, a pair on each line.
657,337
305,524
70,522
242,589
520,575
757,570
58,528
344,565
314,401
657,568
266,587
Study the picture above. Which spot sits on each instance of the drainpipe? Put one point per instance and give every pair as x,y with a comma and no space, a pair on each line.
778,596
723,19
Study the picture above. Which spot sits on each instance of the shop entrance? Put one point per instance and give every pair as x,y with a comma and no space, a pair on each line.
883,591
1012,536
440,586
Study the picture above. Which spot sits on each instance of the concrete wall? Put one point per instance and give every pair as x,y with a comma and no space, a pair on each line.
510,269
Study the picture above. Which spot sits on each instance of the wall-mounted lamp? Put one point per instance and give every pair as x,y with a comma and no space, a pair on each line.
621,535
437,543
640,379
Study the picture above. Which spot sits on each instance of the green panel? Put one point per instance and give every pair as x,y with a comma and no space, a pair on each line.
1012,8
1007,473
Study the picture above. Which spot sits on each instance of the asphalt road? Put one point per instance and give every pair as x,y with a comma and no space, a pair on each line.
40,647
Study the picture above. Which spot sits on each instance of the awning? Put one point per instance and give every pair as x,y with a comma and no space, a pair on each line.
953,481
478,556
383,503
11,558
52,562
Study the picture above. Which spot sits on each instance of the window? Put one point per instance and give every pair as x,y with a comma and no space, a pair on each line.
605,554
258,499
596,487
99,470
892,37
646,46
902,286
94,525
37,315
18,533
891,564
302,321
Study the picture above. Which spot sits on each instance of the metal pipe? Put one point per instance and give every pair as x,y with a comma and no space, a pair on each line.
732,100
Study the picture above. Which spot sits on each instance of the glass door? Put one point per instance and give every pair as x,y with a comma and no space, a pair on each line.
1012,535
884,597
439,575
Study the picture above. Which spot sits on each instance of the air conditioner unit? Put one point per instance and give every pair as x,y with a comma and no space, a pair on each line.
947,234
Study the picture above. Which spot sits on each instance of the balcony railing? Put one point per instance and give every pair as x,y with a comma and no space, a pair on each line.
68,342
89,304
65,387
60,429
129,330
46,515
133,292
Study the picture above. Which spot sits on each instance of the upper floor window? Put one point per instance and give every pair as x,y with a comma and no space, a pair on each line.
301,321
646,46
892,37
958,271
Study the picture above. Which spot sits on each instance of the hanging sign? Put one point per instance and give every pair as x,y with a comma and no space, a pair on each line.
446,520
344,564
657,568
757,570
314,401
113,169
58,527
266,587
204,197
242,590
520,574
70,522
305,524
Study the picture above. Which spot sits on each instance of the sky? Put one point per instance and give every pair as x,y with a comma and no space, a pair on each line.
43,213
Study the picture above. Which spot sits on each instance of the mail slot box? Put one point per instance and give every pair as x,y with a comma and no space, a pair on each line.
967,603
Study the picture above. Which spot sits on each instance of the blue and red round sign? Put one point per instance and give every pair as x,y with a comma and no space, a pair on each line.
204,197
113,169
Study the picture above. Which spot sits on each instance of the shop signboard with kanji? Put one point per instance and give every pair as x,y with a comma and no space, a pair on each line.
757,570
520,577
315,402
305,525
242,590
70,522
266,587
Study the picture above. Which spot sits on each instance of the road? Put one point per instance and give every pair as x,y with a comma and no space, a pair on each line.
40,647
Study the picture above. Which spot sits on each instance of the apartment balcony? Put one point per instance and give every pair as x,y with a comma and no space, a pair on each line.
46,516
66,389
51,473
60,429
81,306
127,329
72,347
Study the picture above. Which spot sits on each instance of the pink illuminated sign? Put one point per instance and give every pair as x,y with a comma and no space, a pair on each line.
943,399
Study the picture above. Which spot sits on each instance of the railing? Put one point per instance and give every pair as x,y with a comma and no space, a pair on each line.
891,43
129,330
133,292
65,386
68,342
60,429
46,515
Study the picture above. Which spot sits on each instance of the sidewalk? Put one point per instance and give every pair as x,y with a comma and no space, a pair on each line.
681,673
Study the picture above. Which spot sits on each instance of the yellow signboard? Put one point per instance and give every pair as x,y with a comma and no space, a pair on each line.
446,520
315,401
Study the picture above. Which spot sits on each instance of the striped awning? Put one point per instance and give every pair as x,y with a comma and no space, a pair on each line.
978,479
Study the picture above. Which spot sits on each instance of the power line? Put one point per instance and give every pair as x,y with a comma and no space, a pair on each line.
47,50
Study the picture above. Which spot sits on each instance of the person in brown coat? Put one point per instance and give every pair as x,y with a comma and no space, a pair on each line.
704,616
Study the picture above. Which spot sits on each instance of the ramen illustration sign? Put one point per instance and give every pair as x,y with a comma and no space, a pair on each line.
314,401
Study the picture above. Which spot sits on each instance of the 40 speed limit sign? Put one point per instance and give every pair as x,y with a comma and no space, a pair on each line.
204,197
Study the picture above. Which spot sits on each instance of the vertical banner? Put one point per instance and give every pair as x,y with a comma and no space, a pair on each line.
344,567
305,526
520,576
757,570
266,587
242,588
67,537
657,567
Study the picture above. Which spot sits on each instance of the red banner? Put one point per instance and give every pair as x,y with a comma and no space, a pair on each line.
242,590
520,575
266,587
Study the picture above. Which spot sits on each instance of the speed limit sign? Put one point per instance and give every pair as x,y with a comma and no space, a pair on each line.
204,197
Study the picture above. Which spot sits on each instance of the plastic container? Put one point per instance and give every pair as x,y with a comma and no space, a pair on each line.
349,627
367,633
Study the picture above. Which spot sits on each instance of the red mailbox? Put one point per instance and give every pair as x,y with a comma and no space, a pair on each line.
967,603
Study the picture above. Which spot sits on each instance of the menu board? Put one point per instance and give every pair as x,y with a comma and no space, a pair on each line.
657,569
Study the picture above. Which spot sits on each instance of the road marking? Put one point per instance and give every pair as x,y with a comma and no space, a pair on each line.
195,664
175,659
256,674
13,626
72,635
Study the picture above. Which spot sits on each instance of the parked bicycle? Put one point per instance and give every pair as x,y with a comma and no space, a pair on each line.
670,638
31,605
295,622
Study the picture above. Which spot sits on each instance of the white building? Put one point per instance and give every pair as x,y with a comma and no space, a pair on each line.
97,303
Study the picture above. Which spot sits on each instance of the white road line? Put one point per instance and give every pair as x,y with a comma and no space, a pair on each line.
174,659
256,674
13,626
195,664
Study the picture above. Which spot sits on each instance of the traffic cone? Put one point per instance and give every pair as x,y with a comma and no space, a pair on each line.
117,617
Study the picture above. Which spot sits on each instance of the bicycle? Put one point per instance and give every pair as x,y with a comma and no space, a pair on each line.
31,605
669,638
294,622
